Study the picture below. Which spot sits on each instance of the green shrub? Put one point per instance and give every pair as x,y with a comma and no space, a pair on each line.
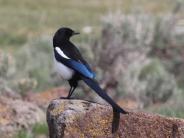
171,112
40,128
36,130
29,68
34,62
23,134
131,55
160,85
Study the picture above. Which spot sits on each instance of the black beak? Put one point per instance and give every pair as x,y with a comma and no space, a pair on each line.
75,33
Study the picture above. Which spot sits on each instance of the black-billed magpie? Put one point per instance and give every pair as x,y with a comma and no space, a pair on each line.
71,66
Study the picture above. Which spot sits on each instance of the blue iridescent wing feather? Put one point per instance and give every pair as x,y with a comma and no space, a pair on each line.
75,65
81,68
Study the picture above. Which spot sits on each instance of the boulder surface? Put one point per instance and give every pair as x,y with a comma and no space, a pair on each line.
83,119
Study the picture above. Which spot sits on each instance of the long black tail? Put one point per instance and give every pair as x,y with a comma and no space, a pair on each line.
95,86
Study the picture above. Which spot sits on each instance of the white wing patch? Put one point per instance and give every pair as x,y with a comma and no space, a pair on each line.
60,52
64,71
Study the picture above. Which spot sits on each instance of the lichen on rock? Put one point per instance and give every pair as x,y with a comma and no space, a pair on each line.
83,119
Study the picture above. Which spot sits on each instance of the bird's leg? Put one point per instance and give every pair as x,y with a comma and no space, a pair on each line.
73,84
71,92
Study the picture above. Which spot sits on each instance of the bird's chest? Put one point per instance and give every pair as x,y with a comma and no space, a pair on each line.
64,71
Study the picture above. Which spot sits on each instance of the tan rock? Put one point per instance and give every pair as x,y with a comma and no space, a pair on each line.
83,119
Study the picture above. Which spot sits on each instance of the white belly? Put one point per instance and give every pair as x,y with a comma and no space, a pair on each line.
64,71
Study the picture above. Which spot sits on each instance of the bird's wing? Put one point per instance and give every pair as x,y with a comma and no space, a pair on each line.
71,51
74,64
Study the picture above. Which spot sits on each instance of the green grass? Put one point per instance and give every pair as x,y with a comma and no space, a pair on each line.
23,134
171,112
25,19
168,110
37,130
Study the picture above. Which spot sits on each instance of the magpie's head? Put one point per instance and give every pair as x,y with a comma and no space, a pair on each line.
63,34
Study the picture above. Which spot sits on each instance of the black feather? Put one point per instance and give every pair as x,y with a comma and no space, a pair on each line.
95,86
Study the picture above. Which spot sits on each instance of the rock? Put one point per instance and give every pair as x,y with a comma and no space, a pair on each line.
16,114
83,119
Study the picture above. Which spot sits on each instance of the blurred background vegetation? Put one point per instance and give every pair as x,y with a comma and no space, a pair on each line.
136,47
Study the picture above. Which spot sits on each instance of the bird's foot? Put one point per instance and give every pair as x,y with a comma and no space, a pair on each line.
64,97
126,112
68,98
